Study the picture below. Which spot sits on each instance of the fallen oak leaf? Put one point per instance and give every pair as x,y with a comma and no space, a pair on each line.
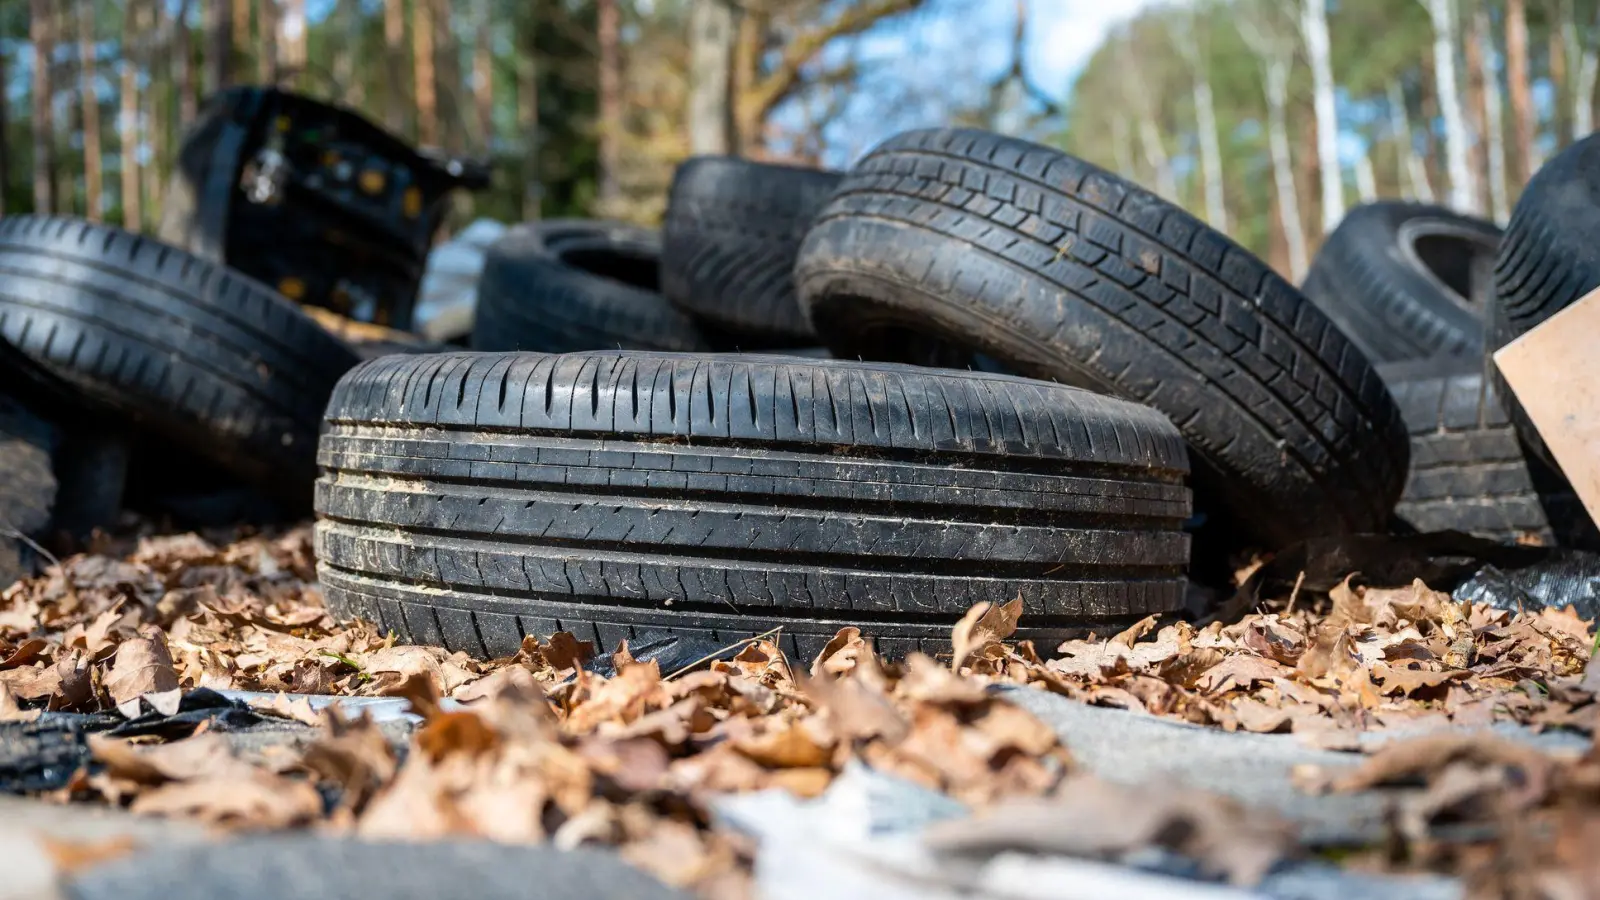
298,709
983,626
1404,682
24,653
143,665
790,746
1238,671
253,798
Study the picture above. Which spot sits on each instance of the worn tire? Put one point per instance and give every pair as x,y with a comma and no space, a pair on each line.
1058,270
27,486
730,237
469,499
1399,280
1548,261
1467,467
188,352
571,285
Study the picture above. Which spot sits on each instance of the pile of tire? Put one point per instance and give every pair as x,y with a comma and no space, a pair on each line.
971,368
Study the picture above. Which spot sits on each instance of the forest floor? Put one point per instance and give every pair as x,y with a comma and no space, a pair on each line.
1388,733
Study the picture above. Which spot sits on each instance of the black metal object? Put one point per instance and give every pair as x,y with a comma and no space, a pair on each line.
312,199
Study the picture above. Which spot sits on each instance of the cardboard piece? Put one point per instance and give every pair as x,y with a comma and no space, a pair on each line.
1555,372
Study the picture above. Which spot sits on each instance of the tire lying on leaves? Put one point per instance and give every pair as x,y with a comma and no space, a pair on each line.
1548,261
1468,471
965,241
27,486
567,285
470,499
188,352
1406,280
729,240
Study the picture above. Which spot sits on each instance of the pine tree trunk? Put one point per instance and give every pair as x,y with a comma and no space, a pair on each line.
1521,94
41,32
153,22
1583,84
1455,128
1277,86
1477,75
1314,30
5,144
528,114
450,110
267,38
1562,88
183,52
128,120
609,36
422,73
93,173
241,28
394,59
217,16
292,43
483,76
711,41
348,85
1493,121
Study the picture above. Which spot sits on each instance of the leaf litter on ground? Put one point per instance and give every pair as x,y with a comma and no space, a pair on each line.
546,750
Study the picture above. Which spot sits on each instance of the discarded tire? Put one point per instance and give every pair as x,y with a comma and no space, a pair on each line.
27,489
1548,261
569,285
469,499
1467,467
1406,280
187,351
730,237
1058,270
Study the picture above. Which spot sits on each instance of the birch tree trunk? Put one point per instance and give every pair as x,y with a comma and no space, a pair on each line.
41,32
1493,121
1455,129
1517,86
1205,114
348,85
394,47
1584,83
1400,126
1366,179
1277,85
5,145
89,97
292,42
422,74
1314,31
711,41
128,121
609,35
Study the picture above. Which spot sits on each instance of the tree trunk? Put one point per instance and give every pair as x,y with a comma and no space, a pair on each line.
711,40
1205,114
1314,30
1366,179
241,27
5,145
218,18
93,174
394,59
1155,156
153,21
183,52
1455,129
1404,142
128,120
1277,87
483,76
1477,76
528,115
292,43
1121,146
349,86
449,109
267,36
422,73
1584,83
1493,121
1561,18
41,32
609,34
1517,86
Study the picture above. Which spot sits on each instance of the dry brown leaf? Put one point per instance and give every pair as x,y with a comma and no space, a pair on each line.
786,746
1404,681
1238,671
841,652
143,666
250,799
983,625
297,710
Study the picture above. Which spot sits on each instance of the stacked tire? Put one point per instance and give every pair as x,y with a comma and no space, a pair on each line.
1047,384
157,370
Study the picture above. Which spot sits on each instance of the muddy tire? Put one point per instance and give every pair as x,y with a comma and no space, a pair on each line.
1468,471
183,351
573,285
730,237
942,244
1402,280
470,499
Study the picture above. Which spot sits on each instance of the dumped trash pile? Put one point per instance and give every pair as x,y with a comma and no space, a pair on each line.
553,745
